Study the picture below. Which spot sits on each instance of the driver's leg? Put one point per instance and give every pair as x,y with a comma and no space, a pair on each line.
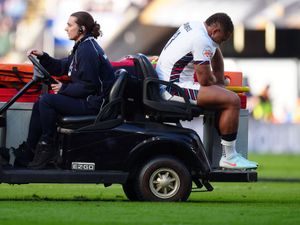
50,106
227,103
45,150
35,128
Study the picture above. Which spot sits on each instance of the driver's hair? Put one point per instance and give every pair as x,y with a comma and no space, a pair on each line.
84,19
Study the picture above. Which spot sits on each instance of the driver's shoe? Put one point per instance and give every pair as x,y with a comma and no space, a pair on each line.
20,156
45,153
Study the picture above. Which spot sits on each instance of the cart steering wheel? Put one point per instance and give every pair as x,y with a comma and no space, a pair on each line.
37,66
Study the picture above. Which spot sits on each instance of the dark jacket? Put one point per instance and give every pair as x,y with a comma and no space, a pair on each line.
91,73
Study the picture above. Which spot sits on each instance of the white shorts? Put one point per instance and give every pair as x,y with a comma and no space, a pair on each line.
167,96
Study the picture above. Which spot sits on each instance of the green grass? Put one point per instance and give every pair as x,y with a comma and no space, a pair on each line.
250,203
277,166
230,203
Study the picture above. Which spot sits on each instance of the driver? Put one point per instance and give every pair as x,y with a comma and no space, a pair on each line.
91,80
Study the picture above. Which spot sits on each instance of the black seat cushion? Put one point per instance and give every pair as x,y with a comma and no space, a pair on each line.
77,119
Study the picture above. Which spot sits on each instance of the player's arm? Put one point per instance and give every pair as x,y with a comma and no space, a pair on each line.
217,65
204,74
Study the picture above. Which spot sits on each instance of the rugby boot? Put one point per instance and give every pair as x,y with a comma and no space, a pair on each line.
236,161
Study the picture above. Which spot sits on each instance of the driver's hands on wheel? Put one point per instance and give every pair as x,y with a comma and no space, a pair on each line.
54,86
35,52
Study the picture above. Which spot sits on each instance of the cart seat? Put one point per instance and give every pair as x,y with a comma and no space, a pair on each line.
110,111
158,108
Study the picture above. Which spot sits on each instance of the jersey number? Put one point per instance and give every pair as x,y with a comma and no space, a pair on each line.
172,39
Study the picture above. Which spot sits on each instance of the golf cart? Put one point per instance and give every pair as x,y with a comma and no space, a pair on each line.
136,140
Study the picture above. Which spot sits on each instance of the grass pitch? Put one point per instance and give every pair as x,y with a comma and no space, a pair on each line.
230,203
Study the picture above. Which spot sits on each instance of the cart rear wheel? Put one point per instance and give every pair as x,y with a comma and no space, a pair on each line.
164,179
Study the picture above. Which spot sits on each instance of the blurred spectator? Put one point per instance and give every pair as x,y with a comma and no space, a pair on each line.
15,9
12,11
263,109
297,112
5,35
2,7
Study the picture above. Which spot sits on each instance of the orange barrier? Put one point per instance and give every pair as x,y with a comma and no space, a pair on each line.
234,78
234,82
16,75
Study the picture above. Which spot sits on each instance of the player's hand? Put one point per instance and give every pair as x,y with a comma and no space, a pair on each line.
212,80
226,81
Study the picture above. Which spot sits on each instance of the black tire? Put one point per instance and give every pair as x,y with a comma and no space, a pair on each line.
164,179
129,190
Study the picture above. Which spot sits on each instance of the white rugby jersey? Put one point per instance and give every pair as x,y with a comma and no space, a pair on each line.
190,45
